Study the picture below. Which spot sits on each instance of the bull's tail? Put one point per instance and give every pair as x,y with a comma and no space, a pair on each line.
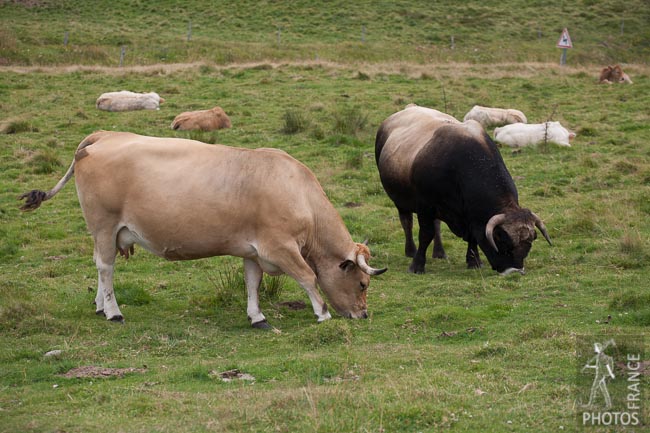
35,197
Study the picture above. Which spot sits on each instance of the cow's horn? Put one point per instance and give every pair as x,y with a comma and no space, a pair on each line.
542,228
363,265
489,228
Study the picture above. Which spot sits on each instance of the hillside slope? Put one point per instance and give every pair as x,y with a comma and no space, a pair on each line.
78,32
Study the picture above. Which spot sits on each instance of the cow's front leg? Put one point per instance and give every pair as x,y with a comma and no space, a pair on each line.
307,281
472,257
406,219
438,250
253,278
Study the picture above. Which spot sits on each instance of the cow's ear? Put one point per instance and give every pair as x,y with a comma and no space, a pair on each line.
347,265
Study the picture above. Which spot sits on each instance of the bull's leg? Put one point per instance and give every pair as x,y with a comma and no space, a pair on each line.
406,219
427,232
438,250
472,257
253,278
105,252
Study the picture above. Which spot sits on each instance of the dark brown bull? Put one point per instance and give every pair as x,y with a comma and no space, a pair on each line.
444,170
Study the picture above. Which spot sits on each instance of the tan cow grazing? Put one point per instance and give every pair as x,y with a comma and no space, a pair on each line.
204,120
613,74
129,101
183,199
489,117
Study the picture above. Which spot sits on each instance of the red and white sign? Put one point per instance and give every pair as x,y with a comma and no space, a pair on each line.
565,40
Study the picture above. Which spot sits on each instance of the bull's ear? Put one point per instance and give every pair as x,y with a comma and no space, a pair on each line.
347,265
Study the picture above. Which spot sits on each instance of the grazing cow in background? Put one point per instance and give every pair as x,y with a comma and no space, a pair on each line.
613,74
489,117
205,120
520,134
444,170
183,199
129,101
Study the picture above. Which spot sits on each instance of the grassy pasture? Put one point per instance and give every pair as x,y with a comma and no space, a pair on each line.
453,349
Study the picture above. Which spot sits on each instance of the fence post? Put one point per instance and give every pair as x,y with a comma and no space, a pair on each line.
452,42
279,36
65,38
363,34
122,53
189,30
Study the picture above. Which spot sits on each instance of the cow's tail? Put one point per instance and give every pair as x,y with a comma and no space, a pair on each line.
35,197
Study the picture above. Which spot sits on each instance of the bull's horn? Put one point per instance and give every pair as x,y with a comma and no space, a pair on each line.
363,265
490,226
542,228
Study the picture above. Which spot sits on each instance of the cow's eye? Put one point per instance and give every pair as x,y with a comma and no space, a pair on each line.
363,286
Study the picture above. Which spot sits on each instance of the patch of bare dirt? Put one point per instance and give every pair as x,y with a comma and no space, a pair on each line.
92,371
230,375
643,367
293,305
445,70
26,3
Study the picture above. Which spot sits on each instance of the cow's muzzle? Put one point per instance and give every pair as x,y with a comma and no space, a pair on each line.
361,315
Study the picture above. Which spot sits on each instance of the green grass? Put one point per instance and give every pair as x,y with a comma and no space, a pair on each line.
603,31
453,349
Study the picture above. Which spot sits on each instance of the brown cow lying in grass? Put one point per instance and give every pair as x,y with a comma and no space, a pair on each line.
205,120
613,74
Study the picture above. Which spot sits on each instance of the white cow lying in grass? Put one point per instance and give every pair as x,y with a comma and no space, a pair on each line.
520,134
489,117
129,101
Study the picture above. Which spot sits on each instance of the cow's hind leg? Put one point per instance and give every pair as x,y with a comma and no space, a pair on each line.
406,219
253,277
105,252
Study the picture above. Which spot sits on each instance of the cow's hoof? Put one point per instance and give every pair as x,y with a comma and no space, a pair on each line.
117,319
100,313
439,255
263,324
416,269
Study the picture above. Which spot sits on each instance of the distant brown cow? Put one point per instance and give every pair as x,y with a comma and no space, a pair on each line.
613,74
205,120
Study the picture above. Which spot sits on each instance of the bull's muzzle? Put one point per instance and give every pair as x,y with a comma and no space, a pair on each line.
511,271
